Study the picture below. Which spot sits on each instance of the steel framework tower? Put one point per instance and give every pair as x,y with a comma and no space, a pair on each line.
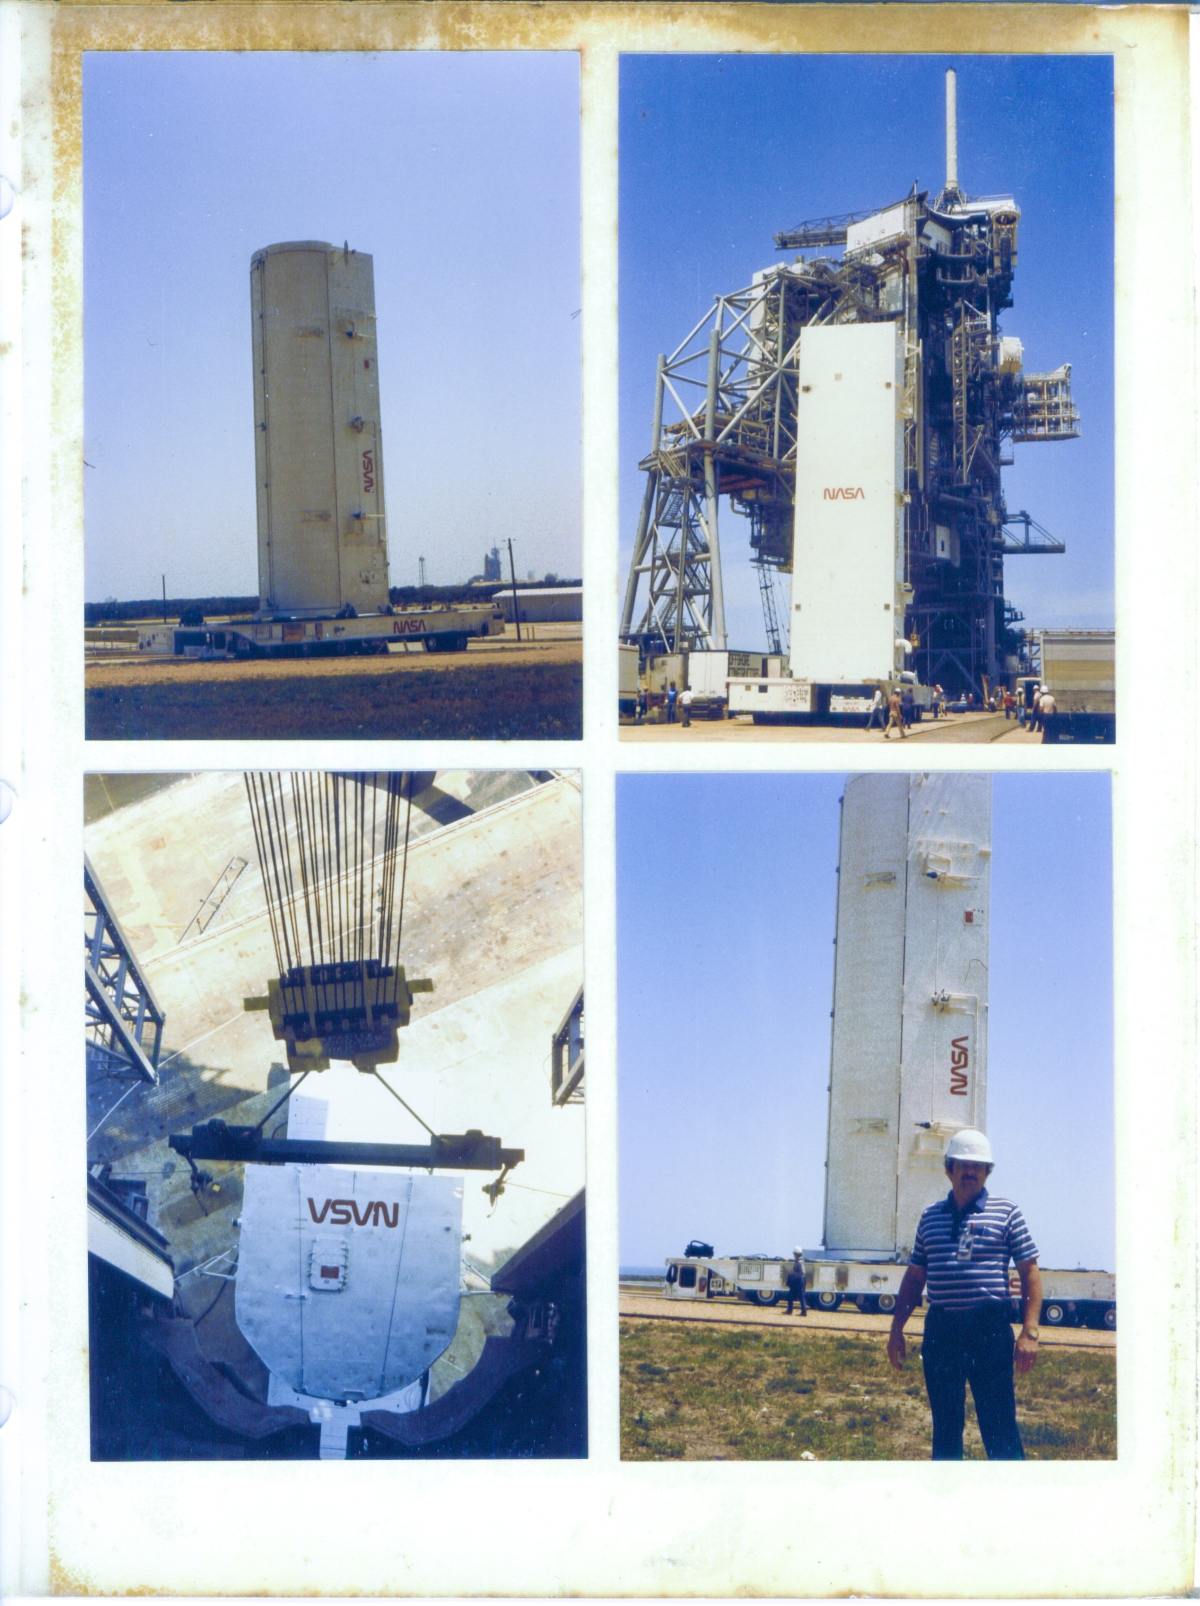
725,424
124,1021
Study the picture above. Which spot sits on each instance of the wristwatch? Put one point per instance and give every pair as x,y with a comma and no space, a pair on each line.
1030,1332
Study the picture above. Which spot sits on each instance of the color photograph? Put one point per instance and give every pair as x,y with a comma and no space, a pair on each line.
848,343
299,267
334,1037
816,1264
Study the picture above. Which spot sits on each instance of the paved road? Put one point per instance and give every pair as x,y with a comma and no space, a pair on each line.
654,1307
981,728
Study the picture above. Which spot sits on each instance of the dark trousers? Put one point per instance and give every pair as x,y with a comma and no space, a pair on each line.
976,1347
795,1294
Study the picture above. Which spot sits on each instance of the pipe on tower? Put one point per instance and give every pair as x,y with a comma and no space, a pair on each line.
951,129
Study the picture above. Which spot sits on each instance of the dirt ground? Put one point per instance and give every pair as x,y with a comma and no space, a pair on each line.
715,1392
493,691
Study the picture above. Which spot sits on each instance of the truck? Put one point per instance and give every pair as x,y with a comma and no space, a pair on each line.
1069,1298
445,629
1079,670
788,701
708,675
712,675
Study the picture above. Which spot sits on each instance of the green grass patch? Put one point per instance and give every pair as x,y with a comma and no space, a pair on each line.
697,1393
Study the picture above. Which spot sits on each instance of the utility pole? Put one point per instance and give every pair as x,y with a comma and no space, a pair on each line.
421,561
512,569
164,581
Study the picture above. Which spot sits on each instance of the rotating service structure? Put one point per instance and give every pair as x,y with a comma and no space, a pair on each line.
737,414
908,1064
322,533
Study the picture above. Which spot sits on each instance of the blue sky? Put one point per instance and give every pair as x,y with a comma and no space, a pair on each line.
718,153
459,174
725,921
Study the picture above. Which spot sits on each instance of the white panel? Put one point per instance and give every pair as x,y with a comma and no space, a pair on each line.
879,226
348,1281
945,983
909,1060
844,570
307,1118
868,984
107,1242
318,454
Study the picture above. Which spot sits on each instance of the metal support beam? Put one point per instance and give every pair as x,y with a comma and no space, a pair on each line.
122,1017
710,494
466,1151
567,1056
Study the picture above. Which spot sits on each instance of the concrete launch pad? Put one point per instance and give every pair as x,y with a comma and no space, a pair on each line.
952,728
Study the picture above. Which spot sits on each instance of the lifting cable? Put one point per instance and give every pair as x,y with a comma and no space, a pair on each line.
319,862
399,1100
328,846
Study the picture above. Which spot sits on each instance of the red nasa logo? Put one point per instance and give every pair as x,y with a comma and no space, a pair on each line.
844,493
959,1059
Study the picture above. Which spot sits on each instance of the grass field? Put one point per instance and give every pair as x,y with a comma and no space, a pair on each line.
479,701
694,1393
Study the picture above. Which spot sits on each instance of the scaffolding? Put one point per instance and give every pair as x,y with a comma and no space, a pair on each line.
1043,409
123,1020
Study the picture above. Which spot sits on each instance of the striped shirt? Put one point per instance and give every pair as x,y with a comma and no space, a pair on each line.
966,1257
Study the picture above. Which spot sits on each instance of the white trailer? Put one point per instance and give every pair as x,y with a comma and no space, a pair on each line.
1069,1298
1079,669
759,1278
848,594
435,629
707,675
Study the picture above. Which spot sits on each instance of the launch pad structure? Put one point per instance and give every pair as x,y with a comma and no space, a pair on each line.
730,420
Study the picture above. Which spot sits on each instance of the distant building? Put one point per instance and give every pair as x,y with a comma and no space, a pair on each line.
543,604
491,565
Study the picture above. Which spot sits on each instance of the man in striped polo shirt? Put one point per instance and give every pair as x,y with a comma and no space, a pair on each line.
961,1252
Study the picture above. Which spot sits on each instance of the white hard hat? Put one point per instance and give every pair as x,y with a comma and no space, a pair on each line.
797,1251
969,1145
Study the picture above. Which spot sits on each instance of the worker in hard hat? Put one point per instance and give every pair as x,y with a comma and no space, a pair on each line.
797,1279
961,1254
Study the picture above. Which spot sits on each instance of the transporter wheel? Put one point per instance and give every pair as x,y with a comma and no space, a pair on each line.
1109,1319
1053,1314
765,1296
866,1304
887,1303
828,1301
